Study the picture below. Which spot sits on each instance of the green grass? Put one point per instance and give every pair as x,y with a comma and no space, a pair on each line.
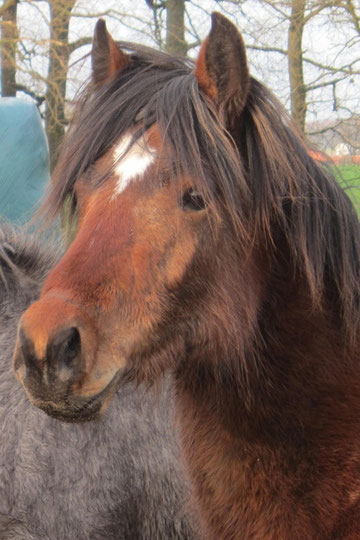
349,178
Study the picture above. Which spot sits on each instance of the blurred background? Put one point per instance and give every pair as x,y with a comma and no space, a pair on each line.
306,51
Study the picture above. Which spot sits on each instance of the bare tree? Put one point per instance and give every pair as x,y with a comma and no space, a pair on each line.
278,35
59,56
175,30
174,10
297,23
9,38
319,86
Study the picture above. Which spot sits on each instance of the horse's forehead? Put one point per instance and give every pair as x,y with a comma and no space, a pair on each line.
130,164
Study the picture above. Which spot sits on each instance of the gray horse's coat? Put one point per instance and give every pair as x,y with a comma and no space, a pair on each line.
117,478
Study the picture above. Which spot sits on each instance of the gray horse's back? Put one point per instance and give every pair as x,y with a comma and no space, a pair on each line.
117,478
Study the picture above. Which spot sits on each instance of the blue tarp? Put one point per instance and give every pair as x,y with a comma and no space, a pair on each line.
24,159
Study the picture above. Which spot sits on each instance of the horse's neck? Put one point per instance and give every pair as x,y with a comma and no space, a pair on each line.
294,442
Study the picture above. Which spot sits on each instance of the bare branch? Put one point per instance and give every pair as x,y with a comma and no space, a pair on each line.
153,5
38,98
310,87
7,5
79,43
267,49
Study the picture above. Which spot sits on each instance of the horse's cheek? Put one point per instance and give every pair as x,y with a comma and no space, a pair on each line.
180,260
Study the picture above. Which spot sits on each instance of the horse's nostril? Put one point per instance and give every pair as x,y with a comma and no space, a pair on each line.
60,363
64,347
26,354
73,345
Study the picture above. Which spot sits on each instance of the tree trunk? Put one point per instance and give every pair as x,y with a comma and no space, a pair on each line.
297,85
60,11
9,36
175,27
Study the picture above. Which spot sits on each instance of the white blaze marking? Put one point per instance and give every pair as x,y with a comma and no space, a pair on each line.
133,164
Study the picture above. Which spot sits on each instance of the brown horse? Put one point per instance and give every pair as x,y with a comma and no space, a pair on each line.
211,244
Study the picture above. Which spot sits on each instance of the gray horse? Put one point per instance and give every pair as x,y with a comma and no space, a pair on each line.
117,478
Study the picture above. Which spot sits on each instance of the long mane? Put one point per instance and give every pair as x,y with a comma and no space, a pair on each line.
258,173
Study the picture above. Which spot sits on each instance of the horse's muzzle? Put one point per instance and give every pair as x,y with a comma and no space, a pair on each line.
77,409
52,375
51,381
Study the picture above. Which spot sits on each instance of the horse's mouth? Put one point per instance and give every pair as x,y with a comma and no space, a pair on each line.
82,412
78,409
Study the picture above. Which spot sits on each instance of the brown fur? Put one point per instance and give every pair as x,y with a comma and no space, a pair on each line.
234,262
106,57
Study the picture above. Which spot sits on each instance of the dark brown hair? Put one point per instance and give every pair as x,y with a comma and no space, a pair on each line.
259,171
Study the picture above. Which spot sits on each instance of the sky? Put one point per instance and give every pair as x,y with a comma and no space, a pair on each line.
260,25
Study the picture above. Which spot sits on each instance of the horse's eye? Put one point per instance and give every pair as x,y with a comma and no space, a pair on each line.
192,200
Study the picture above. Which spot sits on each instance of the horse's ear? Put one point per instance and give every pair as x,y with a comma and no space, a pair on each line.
106,57
221,68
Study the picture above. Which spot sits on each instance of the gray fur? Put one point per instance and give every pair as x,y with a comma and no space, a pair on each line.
117,478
